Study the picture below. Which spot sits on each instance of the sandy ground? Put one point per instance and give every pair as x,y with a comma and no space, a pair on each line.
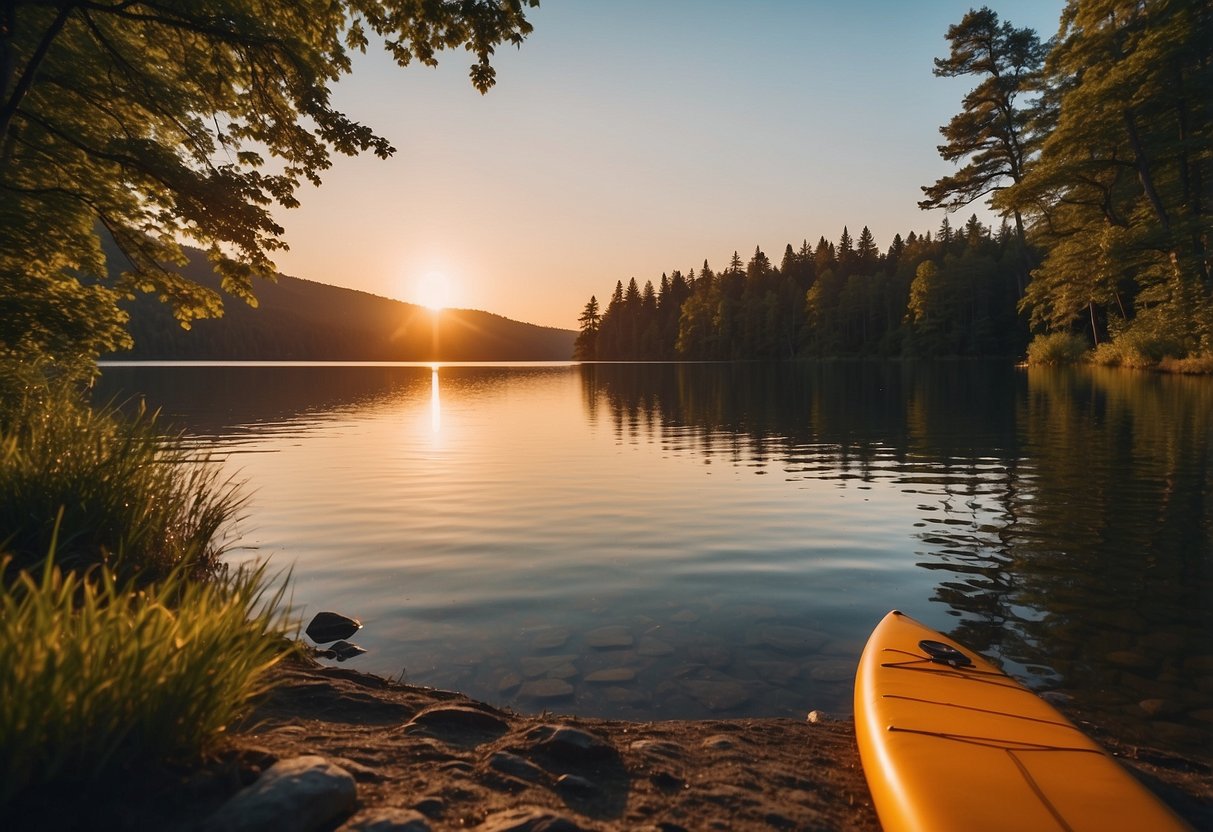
453,763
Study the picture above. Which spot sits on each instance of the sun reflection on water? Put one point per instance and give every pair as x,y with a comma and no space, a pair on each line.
435,401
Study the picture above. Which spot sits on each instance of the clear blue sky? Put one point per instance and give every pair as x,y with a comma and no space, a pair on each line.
634,137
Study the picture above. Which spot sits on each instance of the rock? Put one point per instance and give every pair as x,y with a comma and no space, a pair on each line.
459,716
605,638
1130,660
432,806
661,748
568,670
331,626
566,741
611,675
536,666
509,683
302,793
791,640
357,769
1159,707
684,617
833,671
653,647
343,650
546,689
816,717
717,695
389,819
551,638
516,766
720,742
571,784
528,819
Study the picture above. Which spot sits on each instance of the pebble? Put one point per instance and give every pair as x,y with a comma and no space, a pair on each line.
720,742
615,635
302,793
441,717
816,717
571,784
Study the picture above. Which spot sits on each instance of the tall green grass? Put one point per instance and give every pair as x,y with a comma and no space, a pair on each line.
124,640
98,677
128,496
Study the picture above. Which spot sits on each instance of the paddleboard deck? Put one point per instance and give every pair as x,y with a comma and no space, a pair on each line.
950,742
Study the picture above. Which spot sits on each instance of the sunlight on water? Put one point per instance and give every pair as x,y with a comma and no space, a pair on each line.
684,541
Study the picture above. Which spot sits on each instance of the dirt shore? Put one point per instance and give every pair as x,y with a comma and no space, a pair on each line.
441,761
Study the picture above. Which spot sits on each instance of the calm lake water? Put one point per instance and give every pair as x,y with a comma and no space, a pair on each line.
671,541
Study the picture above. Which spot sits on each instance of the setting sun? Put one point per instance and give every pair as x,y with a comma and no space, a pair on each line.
433,290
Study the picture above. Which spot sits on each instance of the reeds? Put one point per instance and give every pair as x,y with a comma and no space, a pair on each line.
98,677
128,496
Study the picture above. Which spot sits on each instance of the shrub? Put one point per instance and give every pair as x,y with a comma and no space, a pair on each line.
1055,348
1193,364
100,677
128,497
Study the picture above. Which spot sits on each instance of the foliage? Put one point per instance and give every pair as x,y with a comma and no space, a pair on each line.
1119,194
99,678
164,122
124,495
1057,348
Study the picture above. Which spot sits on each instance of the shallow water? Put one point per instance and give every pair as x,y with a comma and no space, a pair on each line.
661,541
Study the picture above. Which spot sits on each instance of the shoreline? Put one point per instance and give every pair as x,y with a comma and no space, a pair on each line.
426,759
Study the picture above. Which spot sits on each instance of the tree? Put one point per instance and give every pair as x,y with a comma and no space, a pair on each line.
585,347
151,123
993,131
1120,192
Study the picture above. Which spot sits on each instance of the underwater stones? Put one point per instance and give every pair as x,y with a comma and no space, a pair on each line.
783,638
536,666
509,683
653,647
685,617
546,689
327,627
833,671
717,694
609,637
549,638
611,675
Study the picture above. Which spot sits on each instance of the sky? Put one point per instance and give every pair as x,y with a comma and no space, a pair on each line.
635,137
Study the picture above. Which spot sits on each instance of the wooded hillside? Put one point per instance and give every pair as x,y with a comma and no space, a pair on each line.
300,320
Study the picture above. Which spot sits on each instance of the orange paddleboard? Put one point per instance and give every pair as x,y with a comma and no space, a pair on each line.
950,742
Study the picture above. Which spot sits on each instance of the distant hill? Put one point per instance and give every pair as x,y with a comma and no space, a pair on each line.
300,320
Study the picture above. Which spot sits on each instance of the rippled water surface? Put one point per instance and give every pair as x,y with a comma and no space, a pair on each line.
649,541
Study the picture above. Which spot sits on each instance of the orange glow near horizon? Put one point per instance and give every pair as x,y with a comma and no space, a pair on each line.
434,291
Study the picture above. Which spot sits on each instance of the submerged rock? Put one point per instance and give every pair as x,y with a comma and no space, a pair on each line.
331,626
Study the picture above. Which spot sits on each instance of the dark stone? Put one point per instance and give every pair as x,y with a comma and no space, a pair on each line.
343,650
389,820
431,806
566,741
304,793
461,725
331,626
667,781
571,784
516,766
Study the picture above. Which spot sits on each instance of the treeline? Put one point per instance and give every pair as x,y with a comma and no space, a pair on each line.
952,293
1097,149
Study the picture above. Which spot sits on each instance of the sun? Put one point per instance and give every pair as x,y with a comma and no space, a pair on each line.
433,291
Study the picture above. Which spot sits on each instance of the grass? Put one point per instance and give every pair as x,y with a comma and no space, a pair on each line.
99,677
125,495
125,641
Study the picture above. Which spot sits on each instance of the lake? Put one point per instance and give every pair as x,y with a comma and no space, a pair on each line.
692,540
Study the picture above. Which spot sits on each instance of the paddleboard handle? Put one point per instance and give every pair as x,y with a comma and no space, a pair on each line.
942,653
